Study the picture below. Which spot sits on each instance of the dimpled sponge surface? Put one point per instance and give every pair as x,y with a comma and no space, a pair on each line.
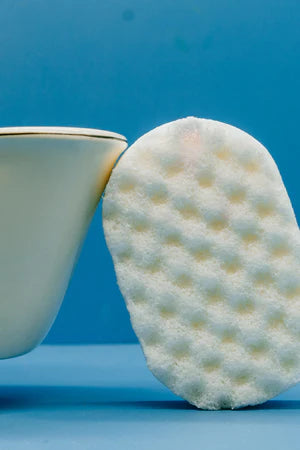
206,252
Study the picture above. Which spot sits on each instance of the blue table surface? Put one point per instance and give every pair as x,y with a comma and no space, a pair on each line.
104,397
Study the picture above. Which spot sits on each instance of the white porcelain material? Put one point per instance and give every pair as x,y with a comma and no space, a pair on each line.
51,180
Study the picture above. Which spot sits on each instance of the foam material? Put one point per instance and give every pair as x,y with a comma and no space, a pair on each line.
206,250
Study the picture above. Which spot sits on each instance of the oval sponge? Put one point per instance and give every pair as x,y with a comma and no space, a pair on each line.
206,250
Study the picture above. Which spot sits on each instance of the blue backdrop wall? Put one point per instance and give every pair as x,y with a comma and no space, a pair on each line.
128,66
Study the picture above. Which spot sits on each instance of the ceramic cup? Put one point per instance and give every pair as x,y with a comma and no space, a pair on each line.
51,180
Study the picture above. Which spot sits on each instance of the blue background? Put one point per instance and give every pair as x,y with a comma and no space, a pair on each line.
128,66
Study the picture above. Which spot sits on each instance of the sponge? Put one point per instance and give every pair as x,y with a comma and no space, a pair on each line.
206,251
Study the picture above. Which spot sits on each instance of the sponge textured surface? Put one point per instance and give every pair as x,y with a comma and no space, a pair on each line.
206,250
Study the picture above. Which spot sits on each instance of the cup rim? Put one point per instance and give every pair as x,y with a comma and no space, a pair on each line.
65,131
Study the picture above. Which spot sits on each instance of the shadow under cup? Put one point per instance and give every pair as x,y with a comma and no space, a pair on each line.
51,180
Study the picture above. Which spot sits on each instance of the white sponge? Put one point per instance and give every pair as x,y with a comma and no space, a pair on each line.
206,250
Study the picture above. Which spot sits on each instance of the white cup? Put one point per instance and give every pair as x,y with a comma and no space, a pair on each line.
51,180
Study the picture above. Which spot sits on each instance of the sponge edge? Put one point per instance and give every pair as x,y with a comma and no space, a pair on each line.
206,250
